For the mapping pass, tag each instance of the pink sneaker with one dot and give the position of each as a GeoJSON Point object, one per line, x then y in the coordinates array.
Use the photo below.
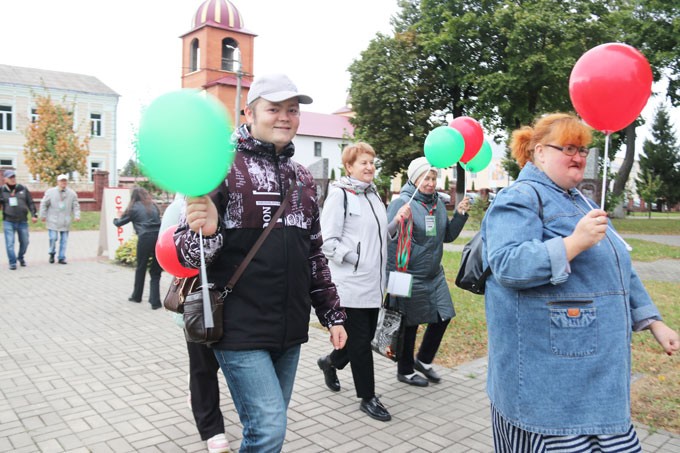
{"type": "Point", "coordinates": [218, 444]}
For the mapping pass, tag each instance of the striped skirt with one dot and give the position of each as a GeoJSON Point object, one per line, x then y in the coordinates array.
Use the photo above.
{"type": "Point", "coordinates": [508, 438]}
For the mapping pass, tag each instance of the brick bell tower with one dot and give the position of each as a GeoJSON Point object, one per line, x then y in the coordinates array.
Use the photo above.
{"type": "Point", "coordinates": [217, 55]}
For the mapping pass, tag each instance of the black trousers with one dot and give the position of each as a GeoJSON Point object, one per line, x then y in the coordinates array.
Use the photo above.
{"type": "Point", "coordinates": [146, 249]}
{"type": "Point", "coordinates": [360, 326]}
{"type": "Point", "coordinates": [205, 390]}
{"type": "Point", "coordinates": [428, 347]}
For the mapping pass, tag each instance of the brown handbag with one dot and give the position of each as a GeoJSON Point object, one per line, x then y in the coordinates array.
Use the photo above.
{"type": "Point", "coordinates": [178, 292]}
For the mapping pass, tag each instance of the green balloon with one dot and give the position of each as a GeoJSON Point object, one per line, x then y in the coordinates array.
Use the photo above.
{"type": "Point", "coordinates": [444, 146]}
{"type": "Point", "coordinates": [184, 142]}
{"type": "Point", "coordinates": [481, 160]}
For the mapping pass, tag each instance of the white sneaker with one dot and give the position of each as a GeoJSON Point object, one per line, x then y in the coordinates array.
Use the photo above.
{"type": "Point", "coordinates": [218, 444]}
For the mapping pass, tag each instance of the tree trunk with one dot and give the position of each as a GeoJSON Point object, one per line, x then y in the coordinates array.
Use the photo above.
{"type": "Point", "coordinates": [624, 172]}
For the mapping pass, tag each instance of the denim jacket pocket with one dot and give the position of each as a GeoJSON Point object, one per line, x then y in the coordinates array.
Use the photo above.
{"type": "Point", "coordinates": [573, 328]}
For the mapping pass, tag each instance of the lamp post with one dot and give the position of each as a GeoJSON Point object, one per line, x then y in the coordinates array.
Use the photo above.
{"type": "Point", "coordinates": [236, 60]}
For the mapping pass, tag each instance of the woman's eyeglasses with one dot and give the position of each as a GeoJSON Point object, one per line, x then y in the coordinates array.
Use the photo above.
{"type": "Point", "coordinates": [571, 150]}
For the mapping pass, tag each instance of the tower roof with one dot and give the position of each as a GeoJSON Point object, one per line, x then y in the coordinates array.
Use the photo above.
{"type": "Point", "coordinates": [218, 13]}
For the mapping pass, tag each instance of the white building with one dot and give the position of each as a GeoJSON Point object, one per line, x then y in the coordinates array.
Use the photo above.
{"type": "Point", "coordinates": [92, 104]}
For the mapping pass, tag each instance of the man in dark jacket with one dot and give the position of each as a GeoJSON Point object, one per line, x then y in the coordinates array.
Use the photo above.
{"type": "Point", "coordinates": [266, 317]}
{"type": "Point", "coordinates": [16, 202]}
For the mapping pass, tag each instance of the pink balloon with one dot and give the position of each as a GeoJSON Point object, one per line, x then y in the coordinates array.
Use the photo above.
{"type": "Point", "coordinates": [166, 254]}
{"type": "Point", "coordinates": [610, 85]}
{"type": "Point", "coordinates": [472, 133]}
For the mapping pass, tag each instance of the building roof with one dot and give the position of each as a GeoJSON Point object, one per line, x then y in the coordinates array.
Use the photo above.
{"type": "Point", "coordinates": [220, 14]}
{"type": "Point", "coordinates": [324, 125]}
{"type": "Point", "coordinates": [32, 77]}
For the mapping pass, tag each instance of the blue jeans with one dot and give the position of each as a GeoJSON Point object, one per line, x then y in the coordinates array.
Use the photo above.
{"type": "Point", "coordinates": [261, 384]}
{"type": "Point", "coordinates": [21, 229]}
{"type": "Point", "coordinates": [63, 241]}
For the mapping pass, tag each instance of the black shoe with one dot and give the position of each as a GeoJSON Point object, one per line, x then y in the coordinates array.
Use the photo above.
{"type": "Point", "coordinates": [156, 307]}
{"type": "Point", "coordinates": [329, 373]}
{"type": "Point", "coordinates": [51, 258]}
{"type": "Point", "coordinates": [374, 408]}
{"type": "Point", "coordinates": [62, 261]}
{"type": "Point", "coordinates": [416, 380]}
{"type": "Point", "coordinates": [430, 374]}
{"type": "Point", "coordinates": [12, 267]}
{"type": "Point", "coordinates": [23, 263]}
{"type": "Point", "coordinates": [132, 299]}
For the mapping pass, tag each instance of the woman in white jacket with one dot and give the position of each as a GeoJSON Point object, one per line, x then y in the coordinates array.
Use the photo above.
{"type": "Point", "coordinates": [355, 231]}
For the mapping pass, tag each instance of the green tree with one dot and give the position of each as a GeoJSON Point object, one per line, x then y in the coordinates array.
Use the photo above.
{"type": "Point", "coordinates": [649, 188]}
{"type": "Point", "coordinates": [52, 147]}
{"type": "Point", "coordinates": [660, 156]}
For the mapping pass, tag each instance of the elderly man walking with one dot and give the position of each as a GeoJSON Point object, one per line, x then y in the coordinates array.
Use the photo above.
{"type": "Point", "coordinates": [58, 208]}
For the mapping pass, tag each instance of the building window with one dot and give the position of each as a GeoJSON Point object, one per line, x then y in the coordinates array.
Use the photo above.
{"type": "Point", "coordinates": [317, 149]}
{"type": "Point", "coordinates": [195, 56]}
{"type": "Point", "coordinates": [94, 166]}
{"type": "Point", "coordinates": [96, 124]}
{"type": "Point", "coordinates": [5, 118]}
{"type": "Point", "coordinates": [34, 116]}
{"type": "Point", "coordinates": [6, 162]}
{"type": "Point", "coordinates": [229, 47]}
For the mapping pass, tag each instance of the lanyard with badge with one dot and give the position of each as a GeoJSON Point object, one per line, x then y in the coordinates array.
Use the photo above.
{"type": "Point", "coordinates": [430, 220]}
{"type": "Point", "coordinates": [12, 196]}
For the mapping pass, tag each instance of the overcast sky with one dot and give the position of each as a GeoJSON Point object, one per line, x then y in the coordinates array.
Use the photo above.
{"type": "Point", "coordinates": [133, 46]}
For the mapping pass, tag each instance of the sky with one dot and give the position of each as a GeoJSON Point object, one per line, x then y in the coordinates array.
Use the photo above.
{"type": "Point", "coordinates": [134, 46]}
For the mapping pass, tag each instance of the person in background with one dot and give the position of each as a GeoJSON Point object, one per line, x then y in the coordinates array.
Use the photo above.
{"type": "Point", "coordinates": [204, 385]}
{"type": "Point", "coordinates": [355, 231]}
{"type": "Point", "coordinates": [430, 300]}
{"type": "Point", "coordinates": [145, 216]}
{"type": "Point", "coordinates": [16, 203]}
{"type": "Point", "coordinates": [58, 208]}
{"type": "Point", "coordinates": [266, 316]}
{"type": "Point", "coordinates": [562, 303]}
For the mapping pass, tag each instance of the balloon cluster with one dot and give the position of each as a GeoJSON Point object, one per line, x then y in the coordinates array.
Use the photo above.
{"type": "Point", "coordinates": [462, 141]}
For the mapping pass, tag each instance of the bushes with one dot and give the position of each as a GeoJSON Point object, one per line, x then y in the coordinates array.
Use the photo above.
{"type": "Point", "coordinates": [127, 252]}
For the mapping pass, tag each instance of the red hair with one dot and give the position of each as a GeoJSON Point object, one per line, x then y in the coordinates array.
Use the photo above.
{"type": "Point", "coordinates": [561, 127]}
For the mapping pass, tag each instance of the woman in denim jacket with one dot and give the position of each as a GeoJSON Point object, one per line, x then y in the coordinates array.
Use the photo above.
{"type": "Point", "coordinates": [561, 305]}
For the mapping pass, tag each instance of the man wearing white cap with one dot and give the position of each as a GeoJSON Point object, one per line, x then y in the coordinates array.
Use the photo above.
{"type": "Point", "coordinates": [266, 316]}
{"type": "Point", "coordinates": [58, 208]}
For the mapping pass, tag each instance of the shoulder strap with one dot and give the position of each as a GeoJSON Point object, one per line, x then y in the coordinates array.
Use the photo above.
{"type": "Point", "coordinates": [242, 267]}
{"type": "Point", "coordinates": [487, 271]}
{"type": "Point", "coordinates": [344, 194]}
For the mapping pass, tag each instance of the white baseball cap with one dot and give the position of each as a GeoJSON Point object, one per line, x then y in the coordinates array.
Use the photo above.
{"type": "Point", "coordinates": [275, 88]}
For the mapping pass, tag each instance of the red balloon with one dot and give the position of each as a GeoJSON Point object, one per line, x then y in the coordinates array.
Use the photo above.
{"type": "Point", "coordinates": [166, 254]}
{"type": "Point", "coordinates": [472, 133]}
{"type": "Point", "coordinates": [610, 85]}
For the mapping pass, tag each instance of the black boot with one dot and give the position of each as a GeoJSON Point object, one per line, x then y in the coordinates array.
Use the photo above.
{"type": "Point", "coordinates": [329, 373]}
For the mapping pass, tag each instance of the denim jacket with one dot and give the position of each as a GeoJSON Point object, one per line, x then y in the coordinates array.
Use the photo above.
{"type": "Point", "coordinates": [559, 331]}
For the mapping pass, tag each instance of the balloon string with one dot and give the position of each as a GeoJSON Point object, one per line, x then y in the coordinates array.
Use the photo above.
{"type": "Point", "coordinates": [604, 170]}
{"type": "Point", "coordinates": [419, 184]}
{"type": "Point", "coordinates": [207, 309]}
{"type": "Point", "coordinates": [627, 245]}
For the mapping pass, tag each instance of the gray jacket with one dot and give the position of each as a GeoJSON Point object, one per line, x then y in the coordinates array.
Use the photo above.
{"type": "Point", "coordinates": [430, 297]}
{"type": "Point", "coordinates": [59, 208]}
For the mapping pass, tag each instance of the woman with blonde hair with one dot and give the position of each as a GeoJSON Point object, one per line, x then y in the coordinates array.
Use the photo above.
{"type": "Point", "coordinates": [561, 304]}
{"type": "Point", "coordinates": [355, 232]}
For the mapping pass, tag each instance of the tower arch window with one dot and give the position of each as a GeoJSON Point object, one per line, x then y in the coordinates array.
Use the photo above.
{"type": "Point", "coordinates": [195, 55]}
{"type": "Point", "coordinates": [229, 54]}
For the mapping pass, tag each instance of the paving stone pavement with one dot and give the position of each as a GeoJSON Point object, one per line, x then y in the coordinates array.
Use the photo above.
{"type": "Point", "coordinates": [84, 370]}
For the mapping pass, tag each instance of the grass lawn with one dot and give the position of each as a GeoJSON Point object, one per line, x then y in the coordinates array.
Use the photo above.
{"type": "Point", "coordinates": [89, 220]}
